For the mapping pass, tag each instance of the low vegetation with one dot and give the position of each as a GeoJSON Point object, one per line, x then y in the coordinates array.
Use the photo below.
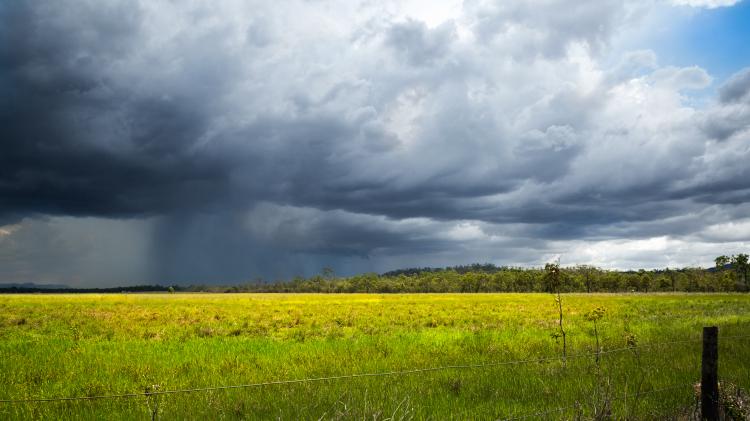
{"type": "Point", "coordinates": [54, 345]}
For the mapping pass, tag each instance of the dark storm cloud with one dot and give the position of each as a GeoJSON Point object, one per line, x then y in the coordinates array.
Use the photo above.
{"type": "Point", "coordinates": [252, 140]}
{"type": "Point", "coordinates": [81, 139]}
{"type": "Point", "coordinates": [76, 142]}
{"type": "Point", "coordinates": [278, 242]}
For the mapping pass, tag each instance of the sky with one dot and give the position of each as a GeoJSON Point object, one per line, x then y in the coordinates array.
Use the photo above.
{"type": "Point", "coordinates": [225, 141]}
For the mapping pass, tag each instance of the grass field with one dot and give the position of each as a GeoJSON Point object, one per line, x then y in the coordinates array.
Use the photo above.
{"type": "Point", "coordinates": [84, 345]}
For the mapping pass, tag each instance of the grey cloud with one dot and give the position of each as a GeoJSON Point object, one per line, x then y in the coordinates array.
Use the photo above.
{"type": "Point", "coordinates": [724, 122]}
{"type": "Point", "coordinates": [548, 33]}
{"type": "Point", "coordinates": [634, 64]}
{"type": "Point", "coordinates": [737, 88]}
{"type": "Point", "coordinates": [549, 153]}
{"type": "Point", "coordinates": [78, 141]}
{"type": "Point", "coordinates": [255, 146]}
{"type": "Point", "coordinates": [338, 232]}
{"type": "Point", "coordinates": [76, 251]}
{"type": "Point", "coordinates": [419, 44]}
{"type": "Point", "coordinates": [682, 78]}
{"type": "Point", "coordinates": [732, 115]}
{"type": "Point", "coordinates": [160, 149]}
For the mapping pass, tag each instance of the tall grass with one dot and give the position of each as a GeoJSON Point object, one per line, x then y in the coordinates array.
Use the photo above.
{"type": "Point", "coordinates": [86, 345]}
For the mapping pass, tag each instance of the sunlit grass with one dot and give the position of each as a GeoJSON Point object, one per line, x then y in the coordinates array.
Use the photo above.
{"type": "Point", "coordinates": [82, 345]}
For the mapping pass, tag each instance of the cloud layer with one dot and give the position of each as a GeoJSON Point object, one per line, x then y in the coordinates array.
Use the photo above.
{"type": "Point", "coordinates": [246, 139]}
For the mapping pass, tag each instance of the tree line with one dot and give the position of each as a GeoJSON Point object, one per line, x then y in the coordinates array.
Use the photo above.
{"type": "Point", "coordinates": [726, 276]}
{"type": "Point", "coordinates": [730, 274]}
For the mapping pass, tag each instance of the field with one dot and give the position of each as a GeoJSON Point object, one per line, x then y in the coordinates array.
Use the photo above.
{"type": "Point", "coordinates": [88, 345]}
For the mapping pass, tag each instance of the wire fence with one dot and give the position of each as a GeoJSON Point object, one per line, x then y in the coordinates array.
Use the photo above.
{"type": "Point", "coordinates": [577, 405]}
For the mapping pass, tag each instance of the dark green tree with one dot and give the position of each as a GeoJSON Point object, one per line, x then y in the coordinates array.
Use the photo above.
{"type": "Point", "coordinates": [721, 262]}
{"type": "Point", "coordinates": [741, 267]}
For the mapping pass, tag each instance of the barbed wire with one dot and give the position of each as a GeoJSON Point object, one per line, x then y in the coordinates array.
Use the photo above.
{"type": "Point", "coordinates": [721, 338]}
{"type": "Point", "coordinates": [305, 380]}
{"type": "Point", "coordinates": [539, 414]}
{"type": "Point", "coordinates": [578, 404]}
{"type": "Point", "coordinates": [680, 410]}
{"type": "Point", "coordinates": [352, 376]}
{"type": "Point", "coordinates": [649, 392]}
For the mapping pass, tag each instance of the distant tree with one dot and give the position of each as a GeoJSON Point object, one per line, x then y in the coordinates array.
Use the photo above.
{"type": "Point", "coordinates": [483, 278]}
{"type": "Point", "coordinates": [328, 273]}
{"type": "Point", "coordinates": [663, 282]}
{"type": "Point", "coordinates": [552, 277]}
{"type": "Point", "coordinates": [644, 280]}
{"type": "Point", "coordinates": [741, 267]}
{"type": "Point", "coordinates": [672, 278]}
{"type": "Point", "coordinates": [588, 273]}
{"type": "Point", "coordinates": [721, 262]}
{"type": "Point", "coordinates": [633, 282]}
{"type": "Point", "coordinates": [726, 281]}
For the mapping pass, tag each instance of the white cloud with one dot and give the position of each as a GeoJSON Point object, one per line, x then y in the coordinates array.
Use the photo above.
{"type": "Point", "coordinates": [8, 230]}
{"type": "Point", "coordinates": [709, 4]}
{"type": "Point", "coordinates": [465, 231]}
{"type": "Point", "coordinates": [648, 253]}
{"type": "Point", "coordinates": [737, 230]}
{"type": "Point", "coordinates": [681, 78]}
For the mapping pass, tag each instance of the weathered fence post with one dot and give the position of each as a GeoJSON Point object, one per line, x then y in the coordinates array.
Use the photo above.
{"type": "Point", "coordinates": [710, 374]}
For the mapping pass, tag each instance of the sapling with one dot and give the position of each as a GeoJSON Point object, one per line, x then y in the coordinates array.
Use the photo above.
{"type": "Point", "coordinates": [554, 283]}
{"type": "Point", "coordinates": [602, 406]}
{"type": "Point", "coordinates": [594, 316]}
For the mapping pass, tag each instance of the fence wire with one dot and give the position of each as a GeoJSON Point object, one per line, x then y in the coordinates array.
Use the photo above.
{"type": "Point", "coordinates": [540, 414]}
{"type": "Point", "coordinates": [354, 376]}
{"type": "Point", "coordinates": [578, 405]}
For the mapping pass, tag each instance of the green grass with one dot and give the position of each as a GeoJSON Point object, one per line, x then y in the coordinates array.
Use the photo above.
{"type": "Point", "coordinates": [83, 345]}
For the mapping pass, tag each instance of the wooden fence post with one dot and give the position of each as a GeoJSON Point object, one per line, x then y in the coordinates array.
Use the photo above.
{"type": "Point", "coordinates": [710, 374]}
